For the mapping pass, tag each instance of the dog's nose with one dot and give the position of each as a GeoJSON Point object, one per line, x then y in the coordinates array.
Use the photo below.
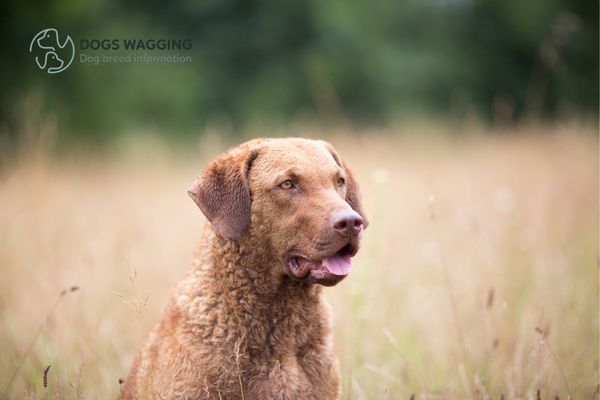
{"type": "Point", "coordinates": [347, 223]}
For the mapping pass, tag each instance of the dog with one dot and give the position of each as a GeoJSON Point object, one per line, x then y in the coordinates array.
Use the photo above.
{"type": "Point", "coordinates": [249, 321]}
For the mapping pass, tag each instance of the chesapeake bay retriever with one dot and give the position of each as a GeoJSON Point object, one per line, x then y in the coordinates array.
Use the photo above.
{"type": "Point", "coordinates": [249, 320]}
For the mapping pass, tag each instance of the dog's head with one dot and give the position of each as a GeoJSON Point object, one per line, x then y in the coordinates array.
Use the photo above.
{"type": "Point", "coordinates": [295, 197]}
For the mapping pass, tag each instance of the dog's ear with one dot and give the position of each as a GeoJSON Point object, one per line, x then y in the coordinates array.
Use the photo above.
{"type": "Point", "coordinates": [222, 193]}
{"type": "Point", "coordinates": [352, 190]}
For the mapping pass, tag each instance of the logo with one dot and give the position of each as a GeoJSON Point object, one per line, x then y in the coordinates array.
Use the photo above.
{"type": "Point", "coordinates": [52, 55]}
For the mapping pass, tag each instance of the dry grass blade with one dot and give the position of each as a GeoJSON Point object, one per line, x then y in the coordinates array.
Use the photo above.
{"type": "Point", "coordinates": [39, 331]}
{"type": "Point", "coordinates": [238, 356]}
{"type": "Point", "coordinates": [596, 394]}
{"type": "Point", "coordinates": [382, 373]}
{"type": "Point", "coordinates": [490, 298]}
{"type": "Point", "coordinates": [545, 333]}
{"type": "Point", "coordinates": [453, 305]}
{"type": "Point", "coordinates": [45, 378]}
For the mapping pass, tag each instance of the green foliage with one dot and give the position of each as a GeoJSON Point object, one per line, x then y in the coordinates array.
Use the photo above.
{"type": "Point", "coordinates": [274, 62]}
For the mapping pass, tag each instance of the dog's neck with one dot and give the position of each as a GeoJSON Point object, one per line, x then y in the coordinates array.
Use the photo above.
{"type": "Point", "coordinates": [241, 285]}
{"type": "Point", "coordinates": [245, 270]}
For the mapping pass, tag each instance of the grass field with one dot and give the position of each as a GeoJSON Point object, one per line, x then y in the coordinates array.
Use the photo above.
{"type": "Point", "coordinates": [477, 278]}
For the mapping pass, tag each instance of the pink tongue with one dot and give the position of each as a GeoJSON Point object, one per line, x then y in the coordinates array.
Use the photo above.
{"type": "Point", "coordinates": [338, 264]}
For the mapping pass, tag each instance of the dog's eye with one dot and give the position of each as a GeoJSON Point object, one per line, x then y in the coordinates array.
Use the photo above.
{"type": "Point", "coordinates": [287, 184]}
{"type": "Point", "coordinates": [341, 181]}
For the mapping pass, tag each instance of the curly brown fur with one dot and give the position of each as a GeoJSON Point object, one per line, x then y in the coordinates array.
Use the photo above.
{"type": "Point", "coordinates": [241, 324]}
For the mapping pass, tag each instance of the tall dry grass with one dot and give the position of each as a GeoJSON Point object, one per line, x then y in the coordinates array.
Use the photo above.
{"type": "Point", "coordinates": [478, 276]}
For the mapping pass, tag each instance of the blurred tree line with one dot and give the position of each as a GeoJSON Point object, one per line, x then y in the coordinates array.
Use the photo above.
{"type": "Point", "coordinates": [275, 62]}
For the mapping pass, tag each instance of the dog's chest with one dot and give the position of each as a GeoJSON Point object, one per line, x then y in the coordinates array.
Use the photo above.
{"type": "Point", "coordinates": [282, 366]}
{"type": "Point", "coordinates": [290, 377]}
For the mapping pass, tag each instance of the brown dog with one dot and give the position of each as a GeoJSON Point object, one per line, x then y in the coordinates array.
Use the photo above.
{"type": "Point", "coordinates": [249, 320]}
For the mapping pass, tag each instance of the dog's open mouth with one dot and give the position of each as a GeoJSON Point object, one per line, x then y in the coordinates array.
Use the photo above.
{"type": "Point", "coordinates": [328, 271]}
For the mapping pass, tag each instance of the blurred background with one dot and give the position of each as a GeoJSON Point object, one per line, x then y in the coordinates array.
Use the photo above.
{"type": "Point", "coordinates": [471, 125]}
{"type": "Point", "coordinates": [260, 64]}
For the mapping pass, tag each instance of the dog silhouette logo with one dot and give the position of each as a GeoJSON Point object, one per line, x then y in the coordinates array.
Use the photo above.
{"type": "Point", "coordinates": [52, 55]}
